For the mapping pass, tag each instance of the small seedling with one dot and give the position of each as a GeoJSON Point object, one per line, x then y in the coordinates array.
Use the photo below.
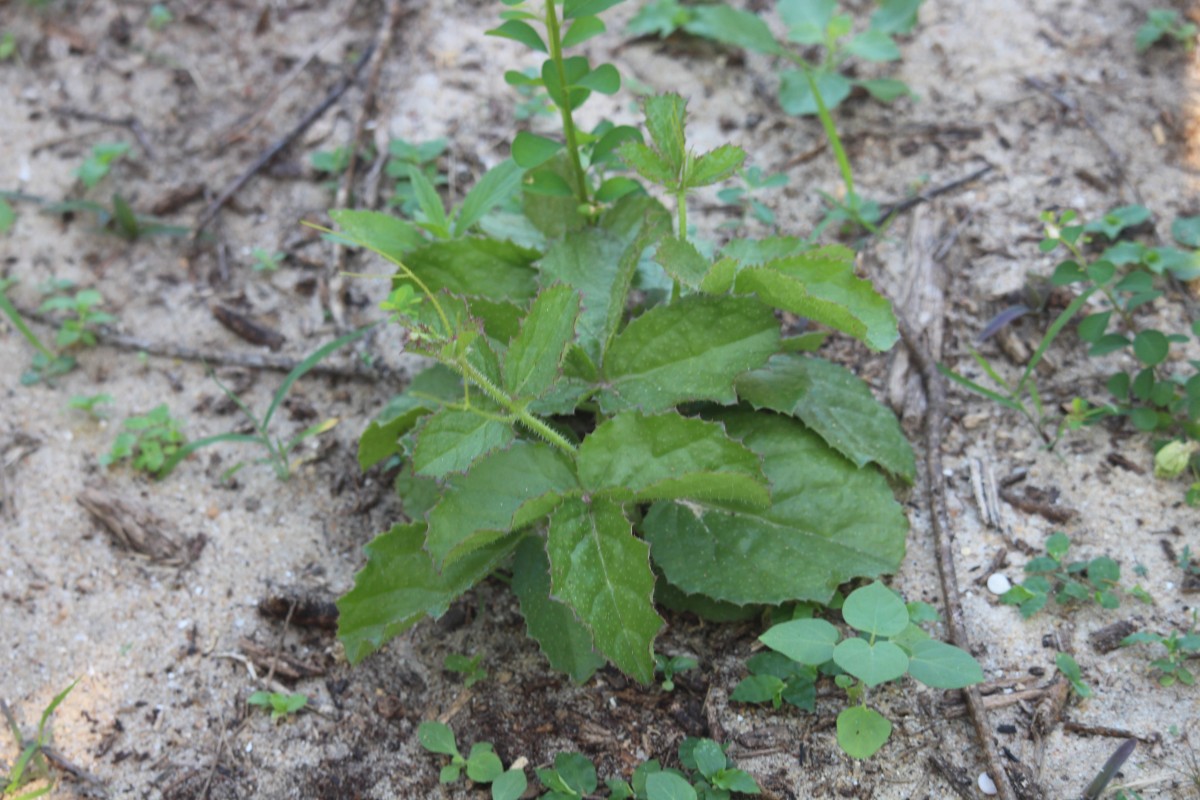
{"type": "Point", "coordinates": [670, 666]}
{"type": "Point", "coordinates": [159, 17]}
{"type": "Point", "coordinates": [281, 705]}
{"type": "Point", "coordinates": [266, 260]}
{"type": "Point", "coordinates": [1188, 563]}
{"type": "Point", "coordinates": [78, 327]}
{"type": "Point", "coordinates": [332, 162]}
{"type": "Point", "coordinates": [754, 182]}
{"type": "Point", "coordinates": [481, 766]}
{"type": "Point", "coordinates": [8, 49]}
{"type": "Point", "coordinates": [46, 363]}
{"type": "Point", "coordinates": [90, 404]}
{"type": "Point", "coordinates": [468, 667]}
{"type": "Point", "coordinates": [1165, 24]}
{"type": "Point", "coordinates": [31, 763]}
{"type": "Point", "coordinates": [1068, 583]}
{"type": "Point", "coordinates": [100, 161]}
{"type": "Point", "coordinates": [893, 647]}
{"type": "Point", "coordinates": [1180, 645]}
{"type": "Point", "coordinates": [8, 217]}
{"type": "Point", "coordinates": [404, 157]}
{"type": "Point", "coordinates": [278, 449]}
{"type": "Point", "coordinates": [1070, 670]}
{"type": "Point", "coordinates": [151, 440]}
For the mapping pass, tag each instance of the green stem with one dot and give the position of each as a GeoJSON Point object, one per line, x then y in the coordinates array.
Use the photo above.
{"type": "Point", "coordinates": [528, 420]}
{"type": "Point", "coordinates": [835, 141]}
{"type": "Point", "coordinates": [564, 107]}
{"type": "Point", "coordinates": [681, 205]}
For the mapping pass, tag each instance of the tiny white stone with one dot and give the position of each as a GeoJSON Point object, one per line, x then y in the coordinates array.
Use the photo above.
{"type": "Point", "coordinates": [986, 785]}
{"type": "Point", "coordinates": [998, 583]}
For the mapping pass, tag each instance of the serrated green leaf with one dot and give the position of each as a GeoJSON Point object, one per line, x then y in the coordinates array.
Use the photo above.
{"type": "Point", "coordinates": [808, 641]}
{"type": "Point", "coordinates": [837, 405]}
{"type": "Point", "coordinates": [486, 503]}
{"type": "Point", "coordinates": [603, 571]}
{"type": "Point", "coordinates": [828, 522]}
{"type": "Point", "coordinates": [521, 32]}
{"type": "Point", "coordinates": [665, 116]}
{"type": "Point", "coordinates": [535, 354]}
{"type": "Point", "coordinates": [873, 45]}
{"type": "Point", "coordinates": [566, 642]}
{"type": "Point", "coordinates": [642, 458]}
{"type": "Point", "coordinates": [452, 439]}
{"type": "Point", "coordinates": [861, 731]}
{"type": "Point", "coordinates": [748, 252]}
{"type": "Point", "coordinates": [692, 349]}
{"type": "Point", "coordinates": [426, 393]}
{"type": "Point", "coordinates": [875, 609]}
{"type": "Point", "coordinates": [715, 166]}
{"type": "Point", "coordinates": [387, 235]}
{"type": "Point", "coordinates": [647, 163]}
{"type": "Point", "coordinates": [732, 26]}
{"type": "Point", "coordinates": [530, 150]}
{"type": "Point", "coordinates": [400, 585]}
{"type": "Point", "coordinates": [476, 267]}
{"type": "Point", "coordinates": [943, 666]}
{"type": "Point", "coordinates": [807, 20]}
{"type": "Point", "coordinates": [496, 186]}
{"type": "Point", "coordinates": [796, 97]}
{"type": "Point", "coordinates": [822, 286]}
{"type": "Point", "coordinates": [682, 261]}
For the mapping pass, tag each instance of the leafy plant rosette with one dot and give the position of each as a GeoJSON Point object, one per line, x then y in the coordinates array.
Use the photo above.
{"type": "Point", "coordinates": [611, 454]}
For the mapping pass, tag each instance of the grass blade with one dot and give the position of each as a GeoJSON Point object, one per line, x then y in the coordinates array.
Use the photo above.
{"type": "Point", "coordinates": [19, 323]}
{"type": "Point", "coordinates": [975, 387]}
{"type": "Point", "coordinates": [1052, 332]}
{"type": "Point", "coordinates": [304, 366]}
{"type": "Point", "coordinates": [193, 446]}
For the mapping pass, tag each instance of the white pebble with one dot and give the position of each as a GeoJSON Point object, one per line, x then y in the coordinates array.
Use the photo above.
{"type": "Point", "coordinates": [986, 785]}
{"type": "Point", "coordinates": [998, 583]}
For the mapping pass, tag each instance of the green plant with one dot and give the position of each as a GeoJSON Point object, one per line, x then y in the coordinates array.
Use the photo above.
{"type": "Point", "coordinates": [753, 183]}
{"type": "Point", "coordinates": [78, 328]}
{"type": "Point", "coordinates": [403, 158]}
{"type": "Point", "coordinates": [90, 404]}
{"type": "Point", "coordinates": [468, 667]}
{"type": "Point", "coordinates": [333, 162]}
{"type": "Point", "coordinates": [159, 17]}
{"type": "Point", "coordinates": [278, 448]}
{"type": "Point", "coordinates": [481, 766]}
{"type": "Point", "coordinates": [1180, 645]}
{"type": "Point", "coordinates": [894, 646]}
{"type": "Point", "coordinates": [1166, 24]}
{"type": "Point", "coordinates": [31, 763]}
{"type": "Point", "coordinates": [99, 162]}
{"type": "Point", "coordinates": [810, 23]}
{"type": "Point", "coordinates": [8, 49]}
{"type": "Point", "coordinates": [1187, 562]}
{"type": "Point", "coordinates": [266, 260]}
{"type": "Point", "coordinates": [569, 424]}
{"type": "Point", "coordinates": [281, 705]}
{"type": "Point", "coordinates": [46, 363]}
{"type": "Point", "coordinates": [670, 666]}
{"type": "Point", "coordinates": [1070, 670]}
{"type": "Point", "coordinates": [1068, 583]}
{"type": "Point", "coordinates": [151, 440]}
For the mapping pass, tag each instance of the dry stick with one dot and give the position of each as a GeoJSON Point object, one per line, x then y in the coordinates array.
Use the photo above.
{"type": "Point", "coordinates": [265, 157]}
{"type": "Point", "coordinates": [900, 206]}
{"type": "Point", "coordinates": [384, 43]}
{"type": "Point", "coordinates": [131, 122]}
{"type": "Point", "coordinates": [936, 491]}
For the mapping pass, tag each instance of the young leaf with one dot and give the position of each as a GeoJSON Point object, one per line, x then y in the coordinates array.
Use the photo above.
{"type": "Point", "coordinates": [399, 585]}
{"type": "Point", "coordinates": [510, 786]}
{"type": "Point", "coordinates": [603, 79]}
{"type": "Point", "coordinates": [483, 765]}
{"type": "Point", "coordinates": [943, 666]}
{"type": "Point", "coordinates": [603, 571]}
{"type": "Point", "coordinates": [647, 163]}
{"type": "Point", "coordinates": [564, 640]}
{"type": "Point", "coordinates": [885, 90]}
{"type": "Point", "coordinates": [487, 502]}
{"type": "Point", "coordinates": [808, 641]}
{"type": "Point", "coordinates": [715, 166]}
{"type": "Point", "coordinates": [574, 9]}
{"type": "Point", "coordinates": [641, 458]}
{"type": "Point", "coordinates": [829, 522]}
{"type": "Point", "coordinates": [837, 405]}
{"type": "Point", "coordinates": [436, 737]}
{"type": "Point", "coordinates": [735, 27]}
{"type": "Point", "coordinates": [875, 609]}
{"type": "Point", "coordinates": [581, 30]}
{"type": "Point", "coordinates": [861, 731]}
{"type": "Point", "coordinates": [476, 267]}
{"type": "Point", "coordinates": [872, 664]}
{"type": "Point", "coordinates": [537, 351]}
{"type": "Point", "coordinates": [497, 185]}
{"type": "Point", "coordinates": [807, 20]}
{"type": "Point", "coordinates": [530, 150]}
{"type": "Point", "coordinates": [521, 32]}
{"type": "Point", "coordinates": [896, 16]}
{"type": "Point", "coordinates": [668, 786]}
{"type": "Point", "coordinates": [873, 45]}
{"type": "Point", "coordinates": [796, 97]}
{"type": "Point", "coordinates": [692, 349]}
{"type": "Point", "coordinates": [382, 233]}
{"type": "Point", "coordinates": [758, 689]}
{"type": "Point", "coordinates": [821, 285]}
{"type": "Point", "coordinates": [665, 115]}
{"type": "Point", "coordinates": [682, 261]}
{"type": "Point", "coordinates": [709, 757]}
{"type": "Point", "coordinates": [429, 201]}
{"type": "Point", "coordinates": [452, 439]}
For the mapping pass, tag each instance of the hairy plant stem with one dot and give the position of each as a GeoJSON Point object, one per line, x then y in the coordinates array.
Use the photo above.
{"type": "Point", "coordinates": [564, 108]}
{"type": "Point", "coordinates": [528, 420]}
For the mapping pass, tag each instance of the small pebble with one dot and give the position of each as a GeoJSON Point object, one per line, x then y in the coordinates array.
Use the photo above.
{"type": "Point", "coordinates": [986, 785]}
{"type": "Point", "coordinates": [998, 583]}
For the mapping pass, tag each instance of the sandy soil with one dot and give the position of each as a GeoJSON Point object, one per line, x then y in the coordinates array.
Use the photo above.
{"type": "Point", "coordinates": [164, 654]}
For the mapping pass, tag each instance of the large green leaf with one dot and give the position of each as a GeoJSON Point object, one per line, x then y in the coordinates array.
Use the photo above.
{"type": "Point", "coordinates": [399, 585]}
{"type": "Point", "coordinates": [734, 27]}
{"type": "Point", "coordinates": [692, 349]}
{"type": "Point", "coordinates": [491, 499]}
{"type": "Point", "coordinates": [603, 571]}
{"type": "Point", "coordinates": [638, 457]}
{"type": "Point", "coordinates": [453, 438]}
{"type": "Point", "coordinates": [809, 641]}
{"type": "Point", "coordinates": [822, 286]}
{"type": "Point", "coordinates": [835, 403]}
{"type": "Point", "coordinates": [387, 235]}
{"type": "Point", "coordinates": [566, 643]}
{"type": "Point", "coordinates": [537, 351]}
{"type": "Point", "coordinates": [943, 666]}
{"type": "Point", "coordinates": [476, 267]}
{"type": "Point", "coordinates": [426, 393]}
{"type": "Point", "coordinates": [828, 522]}
{"type": "Point", "coordinates": [795, 92]}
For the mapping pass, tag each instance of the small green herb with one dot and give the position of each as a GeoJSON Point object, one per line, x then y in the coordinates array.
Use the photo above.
{"type": "Point", "coordinates": [333, 161]}
{"type": "Point", "coordinates": [481, 766]}
{"type": "Point", "coordinates": [404, 157]}
{"type": "Point", "coordinates": [1180, 645]}
{"type": "Point", "coordinates": [266, 260]}
{"type": "Point", "coordinates": [670, 666]}
{"type": "Point", "coordinates": [1070, 670]}
{"type": "Point", "coordinates": [754, 182]}
{"type": "Point", "coordinates": [8, 46]}
{"type": "Point", "coordinates": [150, 440]}
{"type": "Point", "coordinates": [90, 404]}
{"type": "Point", "coordinates": [31, 763]}
{"type": "Point", "coordinates": [159, 17]}
{"type": "Point", "coordinates": [468, 667]}
{"type": "Point", "coordinates": [1166, 24]}
{"type": "Point", "coordinates": [98, 164]}
{"type": "Point", "coordinates": [281, 705]}
{"type": "Point", "coordinates": [78, 327]}
{"type": "Point", "coordinates": [1068, 583]}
